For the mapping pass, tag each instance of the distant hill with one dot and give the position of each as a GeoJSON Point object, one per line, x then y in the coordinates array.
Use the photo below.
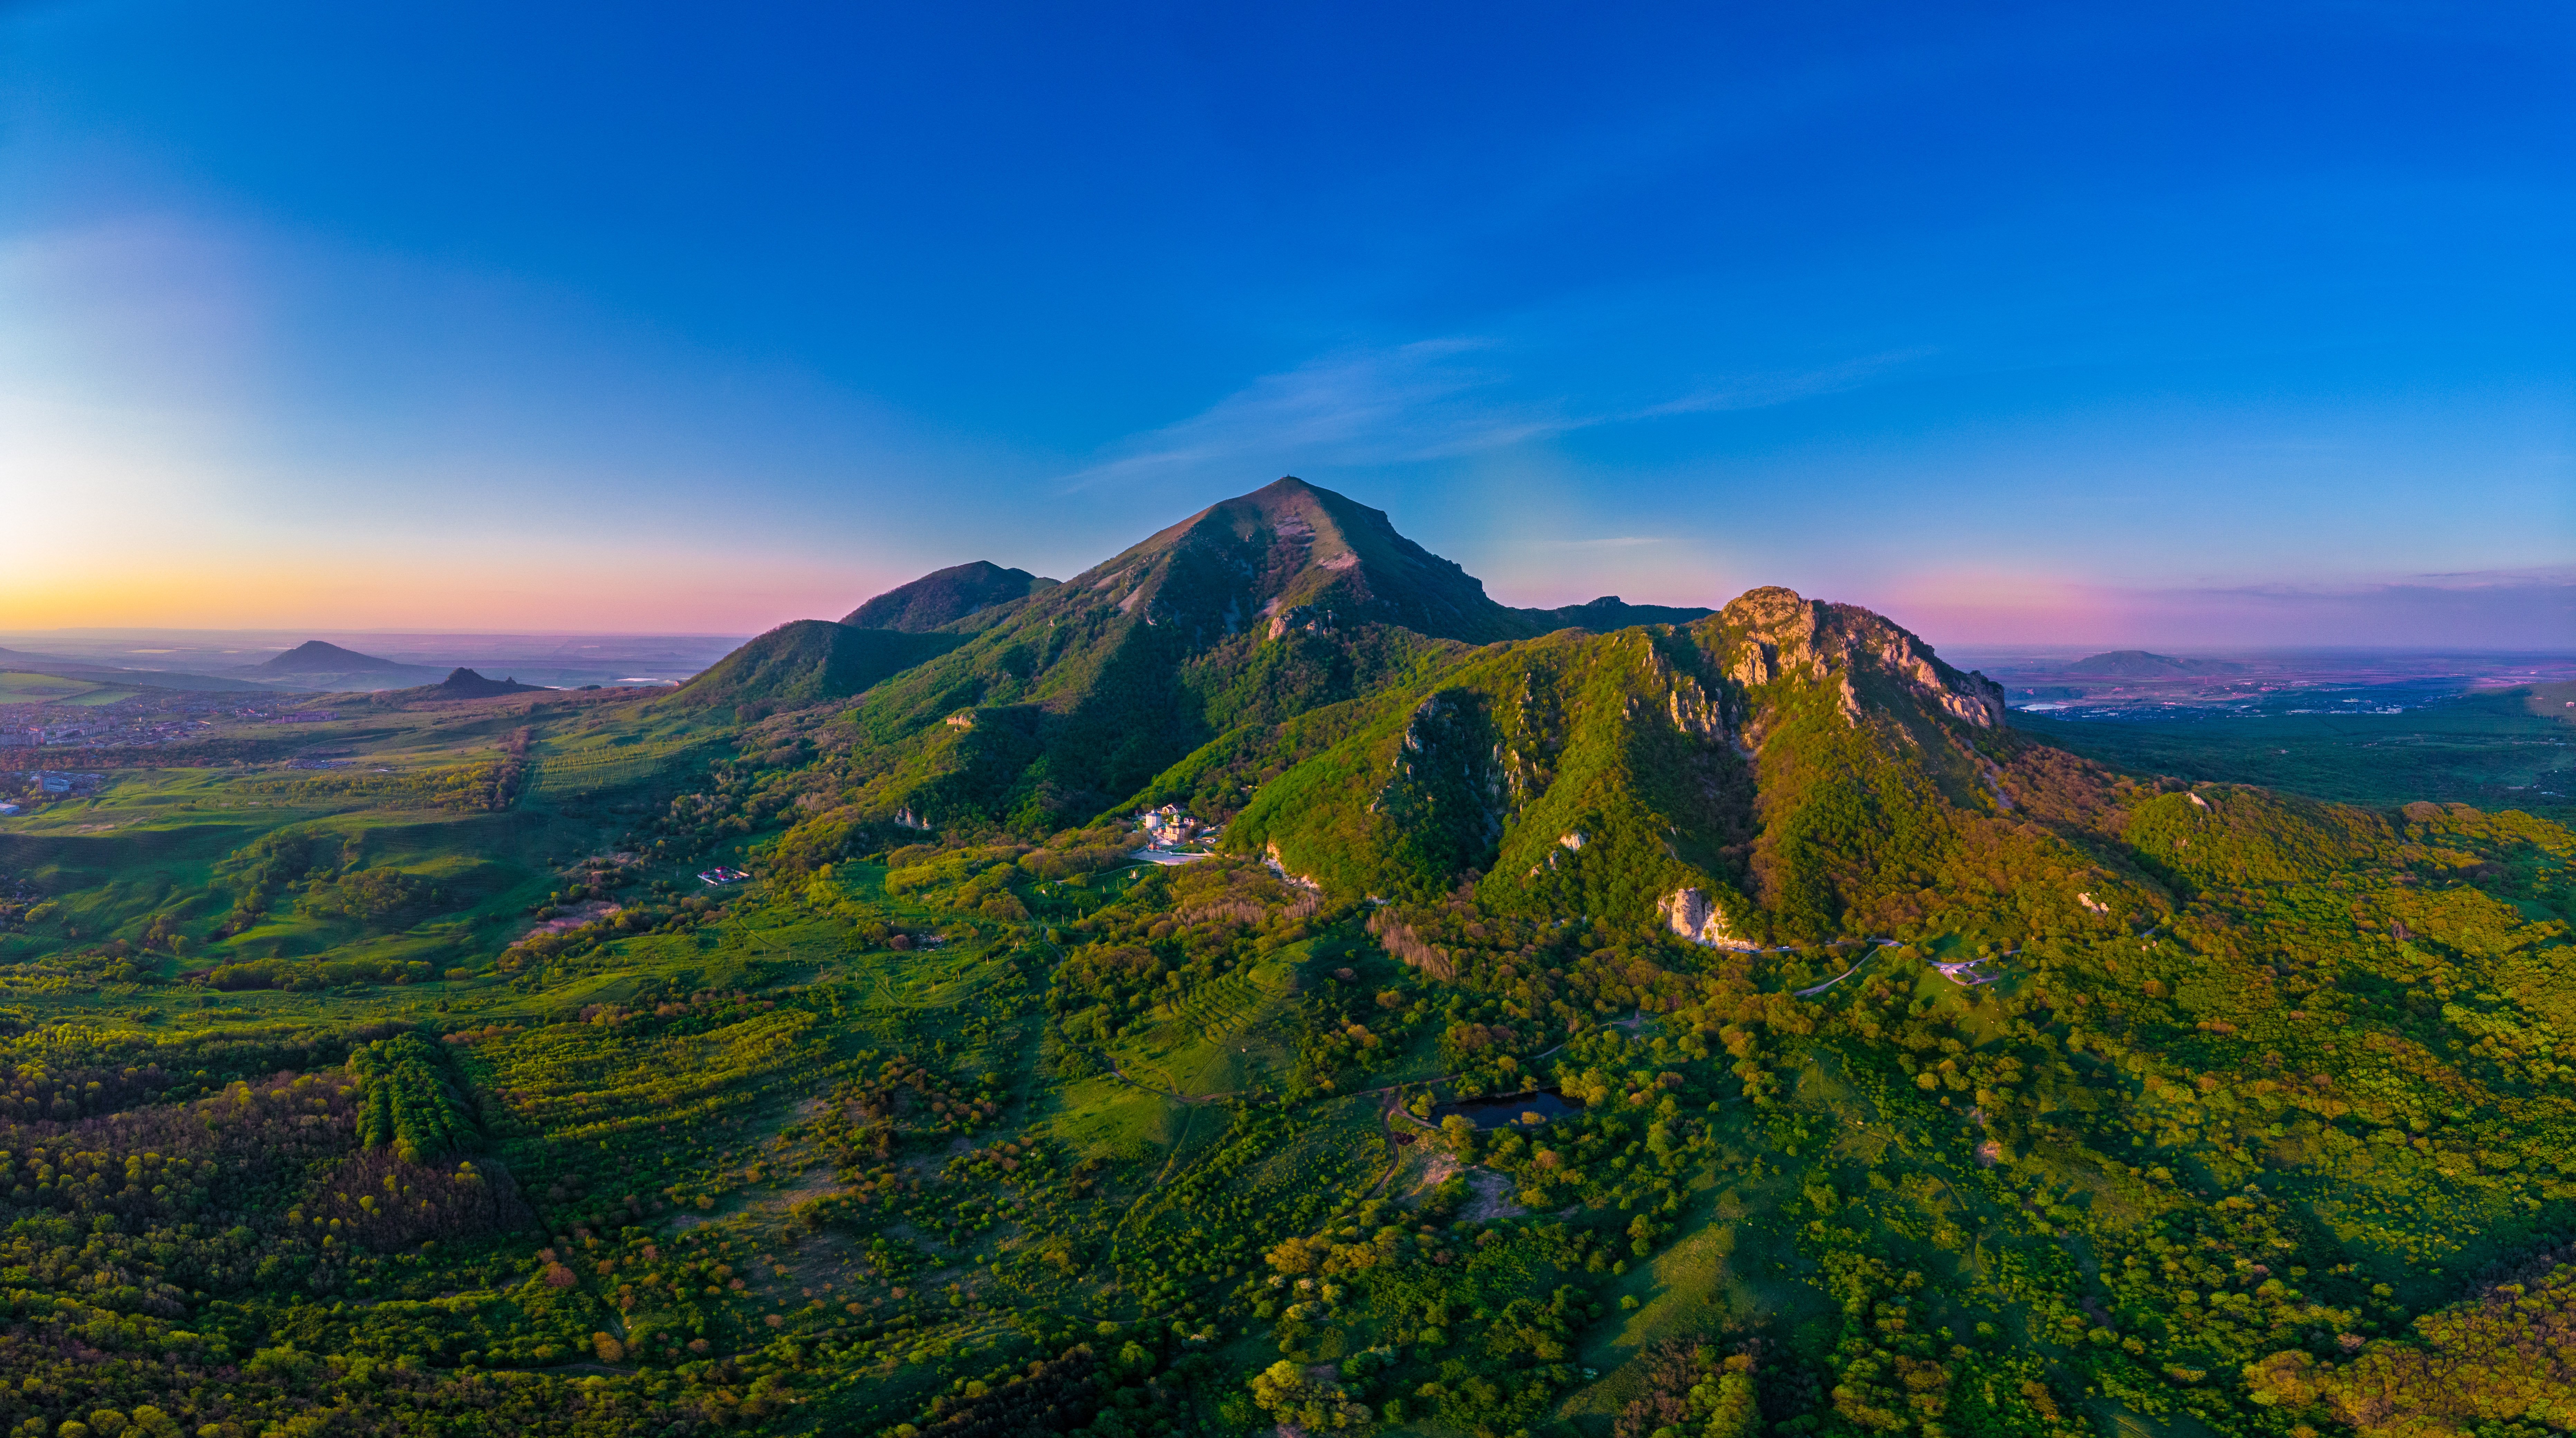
{"type": "Point", "coordinates": [2139, 664]}
{"type": "Point", "coordinates": [316, 657]}
{"type": "Point", "coordinates": [808, 660]}
{"type": "Point", "coordinates": [468, 684]}
{"type": "Point", "coordinates": [1609, 612]}
{"type": "Point", "coordinates": [943, 597]}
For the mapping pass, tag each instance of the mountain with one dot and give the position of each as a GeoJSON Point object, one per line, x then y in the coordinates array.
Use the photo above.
{"type": "Point", "coordinates": [1683, 772]}
{"type": "Point", "coordinates": [1609, 612]}
{"type": "Point", "coordinates": [313, 656]}
{"type": "Point", "coordinates": [467, 684]}
{"type": "Point", "coordinates": [943, 597]}
{"type": "Point", "coordinates": [315, 664]}
{"type": "Point", "coordinates": [1251, 611]}
{"type": "Point", "coordinates": [1071, 698]}
{"type": "Point", "coordinates": [1404, 732]}
{"type": "Point", "coordinates": [807, 660]}
{"type": "Point", "coordinates": [1292, 555]}
{"type": "Point", "coordinates": [2139, 664]}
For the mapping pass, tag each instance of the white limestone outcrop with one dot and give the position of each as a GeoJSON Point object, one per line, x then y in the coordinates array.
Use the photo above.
{"type": "Point", "coordinates": [1698, 918]}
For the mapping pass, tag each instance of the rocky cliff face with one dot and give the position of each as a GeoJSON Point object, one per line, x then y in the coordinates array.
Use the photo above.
{"type": "Point", "coordinates": [1693, 762]}
{"type": "Point", "coordinates": [1700, 919]}
{"type": "Point", "coordinates": [1781, 635]}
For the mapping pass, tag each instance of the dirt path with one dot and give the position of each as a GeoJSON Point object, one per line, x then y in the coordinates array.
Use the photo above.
{"type": "Point", "coordinates": [1836, 979]}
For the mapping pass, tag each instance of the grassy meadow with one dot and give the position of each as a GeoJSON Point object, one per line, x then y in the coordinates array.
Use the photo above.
{"type": "Point", "coordinates": [22, 688]}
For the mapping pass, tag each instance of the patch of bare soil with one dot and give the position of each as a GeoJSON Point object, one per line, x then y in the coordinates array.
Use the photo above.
{"type": "Point", "coordinates": [1442, 1167]}
{"type": "Point", "coordinates": [1493, 1197]}
{"type": "Point", "coordinates": [568, 919]}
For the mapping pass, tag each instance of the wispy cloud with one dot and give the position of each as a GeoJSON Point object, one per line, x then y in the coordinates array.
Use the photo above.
{"type": "Point", "coordinates": [1762, 391]}
{"type": "Point", "coordinates": [1432, 399]}
{"type": "Point", "coordinates": [1373, 406]}
{"type": "Point", "coordinates": [1622, 541]}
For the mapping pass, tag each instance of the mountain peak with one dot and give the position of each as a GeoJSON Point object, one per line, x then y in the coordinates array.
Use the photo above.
{"type": "Point", "coordinates": [944, 596]}
{"type": "Point", "coordinates": [316, 657]}
{"type": "Point", "coordinates": [462, 683]}
{"type": "Point", "coordinates": [1293, 552]}
{"type": "Point", "coordinates": [1787, 635]}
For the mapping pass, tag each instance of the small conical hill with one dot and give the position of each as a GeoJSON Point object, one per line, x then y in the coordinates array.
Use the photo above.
{"type": "Point", "coordinates": [314, 656]}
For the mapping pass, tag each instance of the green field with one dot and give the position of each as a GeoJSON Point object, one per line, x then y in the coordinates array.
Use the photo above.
{"type": "Point", "coordinates": [22, 688]}
{"type": "Point", "coordinates": [2493, 749]}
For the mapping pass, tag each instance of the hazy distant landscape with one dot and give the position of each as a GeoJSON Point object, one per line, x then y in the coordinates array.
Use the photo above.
{"type": "Point", "coordinates": [248, 656]}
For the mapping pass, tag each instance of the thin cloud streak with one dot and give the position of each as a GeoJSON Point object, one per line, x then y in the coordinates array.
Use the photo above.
{"type": "Point", "coordinates": [1427, 400]}
{"type": "Point", "coordinates": [1766, 391]}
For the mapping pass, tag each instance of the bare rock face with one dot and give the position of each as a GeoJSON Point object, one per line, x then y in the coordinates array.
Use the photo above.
{"type": "Point", "coordinates": [1696, 917]}
{"type": "Point", "coordinates": [1279, 867]}
{"type": "Point", "coordinates": [1970, 697]}
{"type": "Point", "coordinates": [1785, 636]}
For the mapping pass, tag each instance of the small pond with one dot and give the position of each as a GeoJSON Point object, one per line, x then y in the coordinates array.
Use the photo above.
{"type": "Point", "coordinates": [1507, 1110]}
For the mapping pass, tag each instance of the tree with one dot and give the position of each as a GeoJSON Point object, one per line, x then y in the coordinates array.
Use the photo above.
{"type": "Point", "coordinates": [1284, 1390]}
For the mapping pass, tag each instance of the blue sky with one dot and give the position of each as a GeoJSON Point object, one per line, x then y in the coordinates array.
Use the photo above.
{"type": "Point", "coordinates": [2022, 323]}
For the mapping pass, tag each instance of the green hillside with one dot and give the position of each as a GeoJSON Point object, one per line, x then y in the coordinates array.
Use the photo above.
{"type": "Point", "coordinates": [806, 661]}
{"type": "Point", "coordinates": [945, 597]}
{"type": "Point", "coordinates": [1722, 1026]}
{"type": "Point", "coordinates": [18, 688]}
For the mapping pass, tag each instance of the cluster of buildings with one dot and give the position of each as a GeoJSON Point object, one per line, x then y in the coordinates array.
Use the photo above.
{"type": "Point", "coordinates": [1171, 826]}
{"type": "Point", "coordinates": [56, 784]}
{"type": "Point", "coordinates": [123, 726]}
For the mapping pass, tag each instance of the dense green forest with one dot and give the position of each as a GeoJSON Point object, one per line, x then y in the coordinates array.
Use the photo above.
{"type": "Point", "coordinates": [1723, 1028]}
